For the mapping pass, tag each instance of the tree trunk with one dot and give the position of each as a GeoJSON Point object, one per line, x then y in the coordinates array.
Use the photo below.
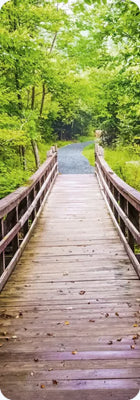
{"type": "Point", "coordinates": [53, 42]}
{"type": "Point", "coordinates": [33, 98]}
{"type": "Point", "coordinates": [36, 153]}
{"type": "Point", "coordinates": [33, 142]}
{"type": "Point", "coordinates": [43, 98]}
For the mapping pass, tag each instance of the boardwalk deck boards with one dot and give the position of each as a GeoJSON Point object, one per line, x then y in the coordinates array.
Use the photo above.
{"type": "Point", "coordinates": [69, 316]}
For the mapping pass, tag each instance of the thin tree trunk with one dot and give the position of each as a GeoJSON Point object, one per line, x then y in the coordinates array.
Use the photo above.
{"type": "Point", "coordinates": [24, 157]}
{"type": "Point", "coordinates": [43, 98]}
{"type": "Point", "coordinates": [33, 142]}
{"type": "Point", "coordinates": [55, 36]}
{"type": "Point", "coordinates": [21, 148]}
{"type": "Point", "coordinates": [36, 153]}
{"type": "Point", "coordinates": [33, 98]}
{"type": "Point", "coordinates": [53, 42]}
{"type": "Point", "coordinates": [43, 88]}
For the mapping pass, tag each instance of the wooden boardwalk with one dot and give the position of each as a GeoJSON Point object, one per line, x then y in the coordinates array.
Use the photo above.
{"type": "Point", "coordinates": [69, 316]}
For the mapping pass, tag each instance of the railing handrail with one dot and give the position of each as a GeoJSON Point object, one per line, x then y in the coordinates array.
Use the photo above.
{"type": "Point", "coordinates": [13, 199]}
{"type": "Point", "coordinates": [128, 191]}
{"type": "Point", "coordinates": [123, 202]}
{"type": "Point", "coordinates": [19, 212]}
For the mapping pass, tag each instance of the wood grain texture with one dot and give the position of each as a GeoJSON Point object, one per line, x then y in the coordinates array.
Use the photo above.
{"type": "Point", "coordinates": [69, 314]}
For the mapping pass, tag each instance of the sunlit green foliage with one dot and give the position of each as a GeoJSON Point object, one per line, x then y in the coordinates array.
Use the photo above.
{"type": "Point", "coordinates": [66, 69]}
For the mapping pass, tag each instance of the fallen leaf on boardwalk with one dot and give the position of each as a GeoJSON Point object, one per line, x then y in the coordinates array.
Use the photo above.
{"type": "Point", "coordinates": [135, 337]}
{"type": "Point", "coordinates": [74, 352]}
{"type": "Point", "coordinates": [49, 334]}
{"type": "Point", "coordinates": [110, 342]}
{"type": "Point", "coordinates": [119, 339]}
{"type": "Point", "coordinates": [36, 359]}
{"type": "Point", "coordinates": [117, 314]}
{"type": "Point", "coordinates": [54, 382]}
{"type": "Point", "coordinates": [135, 325]}
{"type": "Point", "coordinates": [107, 315]}
{"type": "Point", "coordinates": [20, 314]}
{"type": "Point", "coordinates": [67, 323]}
{"type": "Point", "coordinates": [132, 346]}
{"type": "Point", "coordinates": [58, 323]}
{"type": "Point", "coordinates": [82, 292]}
{"type": "Point", "coordinates": [50, 369]}
{"type": "Point", "coordinates": [91, 320]}
{"type": "Point", "coordinates": [61, 291]}
{"type": "Point", "coordinates": [42, 386]}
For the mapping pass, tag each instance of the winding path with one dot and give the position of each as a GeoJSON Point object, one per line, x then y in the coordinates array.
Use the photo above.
{"type": "Point", "coordinates": [72, 161]}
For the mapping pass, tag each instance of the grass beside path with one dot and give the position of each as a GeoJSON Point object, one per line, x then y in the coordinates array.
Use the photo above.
{"type": "Point", "coordinates": [125, 162]}
{"type": "Point", "coordinates": [88, 152]}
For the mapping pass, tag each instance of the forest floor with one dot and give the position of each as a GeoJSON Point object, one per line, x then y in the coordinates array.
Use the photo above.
{"type": "Point", "coordinates": [72, 161]}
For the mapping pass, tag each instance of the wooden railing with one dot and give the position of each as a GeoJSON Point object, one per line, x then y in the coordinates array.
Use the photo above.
{"type": "Point", "coordinates": [19, 212]}
{"type": "Point", "coordinates": [123, 202]}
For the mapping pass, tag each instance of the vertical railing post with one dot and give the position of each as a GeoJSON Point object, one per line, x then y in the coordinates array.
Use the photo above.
{"type": "Point", "coordinates": [123, 206]}
{"type": "Point", "coordinates": [116, 196]}
{"type": "Point", "coordinates": [130, 236]}
{"type": "Point", "coordinates": [26, 225]}
{"type": "Point", "coordinates": [15, 242]}
{"type": "Point", "coordinates": [2, 256]}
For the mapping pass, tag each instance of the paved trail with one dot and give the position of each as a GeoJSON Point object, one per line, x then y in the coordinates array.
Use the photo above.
{"type": "Point", "coordinates": [72, 161]}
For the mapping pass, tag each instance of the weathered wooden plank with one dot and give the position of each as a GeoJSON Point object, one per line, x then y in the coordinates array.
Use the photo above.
{"type": "Point", "coordinates": [94, 394]}
{"type": "Point", "coordinates": [88, 374]}
{"type": "Point", "coordinates": [79, 385]}
{"type": "Point", "coordinates": [62, 355]}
